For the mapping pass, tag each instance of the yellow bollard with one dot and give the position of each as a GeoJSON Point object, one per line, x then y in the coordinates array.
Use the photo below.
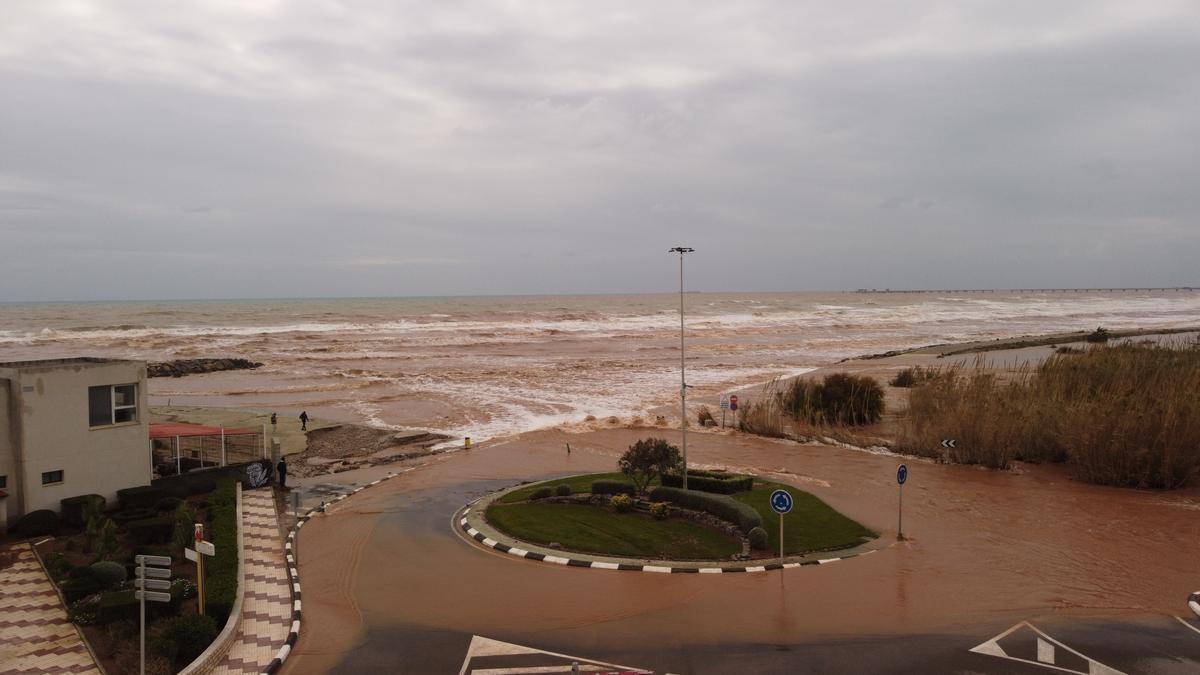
{"type": "Point", "coordinates": [467, 442]}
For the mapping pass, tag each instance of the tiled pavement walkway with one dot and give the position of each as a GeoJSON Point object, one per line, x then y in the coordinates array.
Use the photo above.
{"type": "Point", "coordinates": [267, 603]}
{"type": "Point", "coordinates": [35, 636]}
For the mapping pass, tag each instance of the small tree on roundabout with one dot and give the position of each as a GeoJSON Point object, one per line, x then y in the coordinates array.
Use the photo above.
{"type": "Point", "coordinates": [648, 459]}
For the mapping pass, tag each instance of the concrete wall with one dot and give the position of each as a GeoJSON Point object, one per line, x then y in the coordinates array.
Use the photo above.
{"type": "Point", "coordinates": [8, 464]}
{"type": "Point", "coordinates": [54, 434]}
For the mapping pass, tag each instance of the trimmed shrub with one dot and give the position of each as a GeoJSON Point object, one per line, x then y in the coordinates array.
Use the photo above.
{"type": "Point", "coordinates": [183, 638]}
{"type": "Point", "coordinates": [38, 523]}
{"type": "Point", "coordinates": [563, 490]}
{"type": "Point", "coordinates": [119, 605]}
{"type": "Point", "coordinates": [108, 573]}
{"type": "Point", "coordinates": [660, 510]}
{"type": "Point", "coordinates": [541, 493]}
{"type": "Point", "coordinates": [1098, 336]}
{"type": "Point", "coordinates": [58, 565]}
{"type": "Point", "coordinates": [152, 530]}
{"type": "Point", "coordinates": [721, 506]}
{"type": "Point", "coordinates": [711, 481]}
{"type": "Point", "coordinates": [185, 525]}
{"type": "Point", "coordinates": [77, 588]}
{"type": "Point", "coordinates": [221, 570]}
{"type": "Point", "coordinates": [73, 509]}
{"type": "Point", "coordinates": [612, 487]}
{"type": "Point", "coordinates": [141, 497]}
{"type": "Point", "coordinates": [621, 503]}
{"type": "Point", "coordinates": [128, 515]}
{"type": "Point", "coordinates": [758, 538]}
{"type": "Point", "coordinates": [167, 504]}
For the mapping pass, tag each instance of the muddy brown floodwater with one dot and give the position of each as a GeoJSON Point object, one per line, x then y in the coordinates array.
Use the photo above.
{"type": "Point", "coordinates": [982, 546]}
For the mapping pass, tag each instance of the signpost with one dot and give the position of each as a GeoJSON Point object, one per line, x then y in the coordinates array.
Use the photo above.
{"type": "Point", "coordinates": [196, 555]}
{"type": "Point", "coordinates": [152, 576]}
{"type": "Point", "coordinates": [901, 476]}
{"type": "Point", "coordinates": [781, 503]}
{"type": "Point", "coordinates": [724, 407]}
{"type": "Point", "coordinates": [733, 406]}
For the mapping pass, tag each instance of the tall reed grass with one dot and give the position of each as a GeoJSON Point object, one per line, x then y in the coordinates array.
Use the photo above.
{"type": "Point", "coordinates": [1125, 415]}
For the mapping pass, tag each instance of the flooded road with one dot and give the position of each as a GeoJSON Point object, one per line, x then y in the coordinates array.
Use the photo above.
{"type": "Point", "coordinates": [986, 550]}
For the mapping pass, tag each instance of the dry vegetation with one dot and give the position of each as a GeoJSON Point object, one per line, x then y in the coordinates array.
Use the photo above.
{"type": "Point", "coordinates": [1126, 415]}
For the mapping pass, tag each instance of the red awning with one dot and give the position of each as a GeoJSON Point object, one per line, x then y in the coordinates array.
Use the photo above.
{"type": "Point", "coordinates": [173, 429]}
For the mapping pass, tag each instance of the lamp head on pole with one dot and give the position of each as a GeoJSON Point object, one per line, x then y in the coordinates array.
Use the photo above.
{"type": "Point", "coordinates": [681, 250]}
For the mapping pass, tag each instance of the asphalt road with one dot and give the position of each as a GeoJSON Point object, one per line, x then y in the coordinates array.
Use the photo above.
{"type": "Point", "coordinates": [424, 594]}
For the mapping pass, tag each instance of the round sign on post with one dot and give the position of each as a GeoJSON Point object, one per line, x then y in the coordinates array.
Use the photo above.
{"type": "Point", "coordinates": [733, 402]}
{"type": "Point", "coordinates": [781, 501]}
{"type": "Point", "coordinates": [901, 474]}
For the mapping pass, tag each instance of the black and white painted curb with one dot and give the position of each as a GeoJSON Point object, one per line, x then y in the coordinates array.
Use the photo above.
{"type": "Point", "coordinates": [289, 549]}
{"type": "Point", "coordinates": [626, 567]}
{"type": "Point", "coordinates": [1193, 603]}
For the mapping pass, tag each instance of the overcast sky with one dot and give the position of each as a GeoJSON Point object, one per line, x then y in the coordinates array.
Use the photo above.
{"type": "Point", "coordinates": [253, 148]}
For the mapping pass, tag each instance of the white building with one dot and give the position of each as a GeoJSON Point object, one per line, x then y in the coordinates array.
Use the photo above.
{"type": "Point", "coordinates": [71, 427]}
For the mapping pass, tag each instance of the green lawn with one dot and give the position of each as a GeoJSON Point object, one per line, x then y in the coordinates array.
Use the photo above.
{"type": "Point", "coordinates": [812, 524]}
{"type": "Point", "coordinates": [595, 529]}
{"type": "Point", "coordinates": [578, 484]}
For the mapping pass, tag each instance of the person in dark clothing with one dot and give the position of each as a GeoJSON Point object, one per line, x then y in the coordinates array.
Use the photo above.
{"type": "Point", "coordinates": [281, 468]}
{"type": "Point", "coordinates": [304, 421]}
{"type": "Point", "coordinates": [274, 421]}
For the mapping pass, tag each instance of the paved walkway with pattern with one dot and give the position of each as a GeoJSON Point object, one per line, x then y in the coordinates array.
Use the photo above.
{"type": "Point", "coordinates": [35, 636]}
{"type": "Point", "coordinates": [267, 602]}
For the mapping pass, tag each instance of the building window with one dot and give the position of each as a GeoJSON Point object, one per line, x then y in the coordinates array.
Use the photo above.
{"type": "Point", "coordinates": [52, 477]}
{"type": "Point", "coordinates": [112, 404]}
{"type": "Point", "coordinates": [3, 482]}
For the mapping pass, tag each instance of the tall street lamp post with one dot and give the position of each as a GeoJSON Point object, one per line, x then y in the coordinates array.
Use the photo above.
{"type": "Point", "coordinates": [682, 378]}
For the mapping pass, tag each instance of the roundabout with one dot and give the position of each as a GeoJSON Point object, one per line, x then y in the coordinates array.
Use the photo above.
{"type": "Point", "coordinates": [564, 526]}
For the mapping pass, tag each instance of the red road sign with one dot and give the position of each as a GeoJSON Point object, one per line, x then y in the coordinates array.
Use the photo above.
{"type": "Point", "coordinates": [733, 402]}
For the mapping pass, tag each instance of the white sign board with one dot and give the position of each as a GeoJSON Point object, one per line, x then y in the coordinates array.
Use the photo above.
{"type": "Point", "coordinates": [724, 401]}
{"type": "Point", "coordinates": [152, 596]}
{"type": "Point", "coordinates": [206, 547]}
{"type": "Point", "coordinates": [191, 554]}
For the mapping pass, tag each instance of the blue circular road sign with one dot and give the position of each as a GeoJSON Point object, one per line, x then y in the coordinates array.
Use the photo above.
{"type": "Point", "coordinates": [781, 501]}
{"type": "Point", "coordinates": [902, 474]}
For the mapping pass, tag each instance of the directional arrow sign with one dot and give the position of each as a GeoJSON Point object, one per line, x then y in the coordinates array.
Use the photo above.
{"type": "Point", "coordinates": [152, 584]}
{"type": "Point", "coordinates": [191, 554]}
{"type": "Point", "coordinates": [206, 547]}
{"type": "Point", "coordinates": [156, 560]}
{"type": "Point", "coordinates": [152, 596]}
{"type": "Point", "coordinates": [948, 443]}
{"type": "Point", "coordinates": [152, 573]}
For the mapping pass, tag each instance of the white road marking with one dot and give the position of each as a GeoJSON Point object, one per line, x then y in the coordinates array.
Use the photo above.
{"type": "Point", "coordinates": [1182, 621]}
{"type": "Point", "coordinates": [992, 648]}
{"type": "Point", "coordinates": [482, 647]}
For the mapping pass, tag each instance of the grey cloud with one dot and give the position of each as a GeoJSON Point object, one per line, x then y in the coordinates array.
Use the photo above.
{"type": "Point", "coordinates": [363, 148]}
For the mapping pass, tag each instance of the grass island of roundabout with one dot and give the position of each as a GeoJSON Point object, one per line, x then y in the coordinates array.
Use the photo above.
{"type": "Point", "coordinates": [643, 512]}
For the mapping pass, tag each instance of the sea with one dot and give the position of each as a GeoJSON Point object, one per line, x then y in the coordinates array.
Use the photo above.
{"type": "Point", "coordinates": [488, 367]}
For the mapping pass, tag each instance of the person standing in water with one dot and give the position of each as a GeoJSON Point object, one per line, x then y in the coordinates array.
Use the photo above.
{"type": "Point", "coordinates": [304, 420]}
{"type": "Point", "coordinates": [281, 468]}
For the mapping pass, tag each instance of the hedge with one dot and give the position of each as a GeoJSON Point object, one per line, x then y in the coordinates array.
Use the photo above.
{"type": "Point", "coordinates": [126, 516]}
{"type": "Point", "coordinates": [710, 481]}
{"type": "Point", "coordinates": [79, 587]}
{"type": "Point", "coordinates": [721, 506]}
{"type": "Point", "coordinates": [183, 638]}
{"type": "Point", "coordinates": [221, 570]}
{"type": "Point", "coordinates": [141, 497]}
{"type": "Point", "coordinates": [108, 572]}
{"type": "Point", "coordinates": [157, 530]}
{"type": "Point", "coordinates": [73, 508]}
{"type": "Point", "coordinates": [37, 523]}
{"type": "Point", "coordinates": [613, 487]}
{"type": "Point", "coordinates": [541, 493]}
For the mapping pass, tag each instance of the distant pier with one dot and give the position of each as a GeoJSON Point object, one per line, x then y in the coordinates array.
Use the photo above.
{"type": "Point", "coordinates": [1180, 289]}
